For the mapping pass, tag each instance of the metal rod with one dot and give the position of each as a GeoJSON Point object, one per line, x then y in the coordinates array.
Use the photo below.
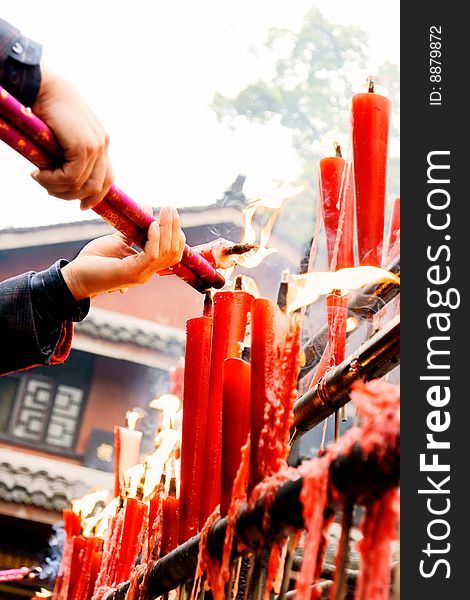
{"type": "Point", "coordinates": [377, 356]}
{"type": "Point", "coordinates": [354, 475]}
{"type": "Point", "coordinates": [366, 301]}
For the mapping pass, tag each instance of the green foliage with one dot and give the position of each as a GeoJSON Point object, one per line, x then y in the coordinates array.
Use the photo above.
{"type": "Point", "coordinates": [309, 93]}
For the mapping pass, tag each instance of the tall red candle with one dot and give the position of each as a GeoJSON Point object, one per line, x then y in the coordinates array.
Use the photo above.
{"type": "Point", "coordinates": [94, 571]}
{"type": "Point", "coordinates": [84, 567]}
{"type": "Point", "coordinates": [275, 339]}
{"type": "Point", "coordinates": [370, 132]}
{"type": "Point", "coordinates": [130, 538]}
{"type": "Point", "coordinates": [230, 318]}
{"type": "Point", "coordinates": [79, 545]}
{"type": "Point", "coordinates": [195, 399]}
{"type": "Point", "coordinates": [170, 520]}
{"type": "Point", "coordinates": [235, 423]}
{"type": "Point", "coordinates": [337, 200]}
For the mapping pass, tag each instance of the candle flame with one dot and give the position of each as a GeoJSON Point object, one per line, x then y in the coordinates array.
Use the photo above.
{"type": "Point", "coordinates": [100, 522]}
{"type": "Point", "coordinates": [248, 284]}
{"type": "Point", "coordinates": [132, 417]}
{"type": "Point", "coordinates": [87, 505]}
{"type": "Point", "coordinates": [274, 202]}
{"type": "Point", "coordinates": [305, 289]}
{"type": "Point", "coordinates": [351, 323]}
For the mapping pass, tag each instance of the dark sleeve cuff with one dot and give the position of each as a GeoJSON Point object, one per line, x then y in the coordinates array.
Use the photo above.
{"type": "Point", "coordinates": [53, 299]}
{"type": "Point", "coordinates": [20, 56]}
{"type": "Point", "coordinates": [53, 306]}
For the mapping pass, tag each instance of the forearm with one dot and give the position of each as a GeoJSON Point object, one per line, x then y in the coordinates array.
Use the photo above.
{"type": "Point", "coordinates": [36, 314]}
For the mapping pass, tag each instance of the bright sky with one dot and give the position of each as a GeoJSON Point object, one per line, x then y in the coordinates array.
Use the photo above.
{"type": "Point", "coordinates": [149, 70]}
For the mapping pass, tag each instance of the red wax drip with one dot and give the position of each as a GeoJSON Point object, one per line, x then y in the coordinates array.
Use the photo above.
{"type": "Point", "coordinates": [230, 319]}
{"type": "Point", "coordinates": [336, 199]}
{"type": "Point", "coordinates": [393, 248]}
{"type": "Point", "coordinates": [196, 393]}
{"type": "Point", "coordinates": [379, 529]}
{"type": "Point", "coordinates": [235, 423]}
{"type": "Point", "coordinates": [274, 370]}
{"type": "Point", "coordinates": [370, 132]}
{"type": "Point", "coordinates": [337, 314]}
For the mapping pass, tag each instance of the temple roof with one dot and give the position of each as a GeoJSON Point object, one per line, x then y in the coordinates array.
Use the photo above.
{"type": "Point", "coordinates": [123, 336]}
{"type": "Point", "coordinates": [45, 483]}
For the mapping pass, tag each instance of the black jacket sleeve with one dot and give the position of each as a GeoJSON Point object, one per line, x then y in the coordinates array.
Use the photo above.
{"type": "Point", "coordinates": [37, 312]}
{"type": "Point", "coordinates": [20, 73]}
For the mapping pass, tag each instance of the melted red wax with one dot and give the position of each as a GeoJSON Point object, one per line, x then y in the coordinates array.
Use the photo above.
{"type": "Point", "coordinates": [314, 497]}
{"type": "Point", "coordinates": [154, 533]}
{"type": "Point", "coordinates": [109, 560]}
{"type": "Point", "coordinates": [280, 392]}
{"type": "Point", "coordinates": [205, 563]}
{"type": "Point", "coordinates": [377, 404]}
{"type": "Point", "coordinates": [379, 530]}
{"type": "Point", "coordinates": [218, 572]}
{"type": "Point", "coordinates": [240, 485]}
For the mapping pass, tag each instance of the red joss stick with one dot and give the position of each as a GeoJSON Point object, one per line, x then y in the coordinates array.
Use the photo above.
{"type": "Point", "coordinates": [27, 134]}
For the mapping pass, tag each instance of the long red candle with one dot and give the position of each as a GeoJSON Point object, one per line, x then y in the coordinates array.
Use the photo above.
{"type": "Point", "coordinates": [84, 567]}
{"type": "Point", "coordinates": [79, 545]}
{"type": "Point", "coordinates": [275, 339]}
{"type": "Point", "coordinates": [95, 566]}
{"type": "Point", "coordinates": [337, 206]}
{"type": "Point", "coordinates": [235, 423]}
{"type": "Point", "coordinates": [230, 318]}
{"type": "Point", "coordinates": [170, 520]}
{"type": "Point", "coordinates": [370, 132]}
{"type": "Point", "coordinates": [195, 399]}
{"type": "Point", "coordinates": [129, 550]}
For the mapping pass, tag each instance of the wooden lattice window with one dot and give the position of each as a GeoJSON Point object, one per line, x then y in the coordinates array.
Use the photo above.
{"type": "Point", "coordinates": [47, 413]}
{"type": "Point", "coordinates": [42, 408]}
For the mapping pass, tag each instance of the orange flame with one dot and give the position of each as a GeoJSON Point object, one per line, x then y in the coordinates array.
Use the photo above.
{"type": "Point", "coordinates": [85, 506]}
{"type": "Point", "coordinates": [305, 289]}
{"type": "Point", "coordinates": [279, 196]}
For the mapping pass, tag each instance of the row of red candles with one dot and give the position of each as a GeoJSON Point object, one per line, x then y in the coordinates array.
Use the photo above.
{"type": "Point", "coordinates": [225, 396]}
{"type": "Point", "coordinates": [358, 189]}
{"type": "Point", "coordinates": [210, 458]}
{"type": "Point", "coordinates": [90, 567]}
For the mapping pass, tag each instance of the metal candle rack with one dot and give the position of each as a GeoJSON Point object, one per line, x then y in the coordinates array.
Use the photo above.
{"type": "Point", "coordinates": [353, 475]}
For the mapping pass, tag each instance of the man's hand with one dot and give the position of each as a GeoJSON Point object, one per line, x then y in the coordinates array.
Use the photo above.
{"type": "Point", "coordinates": [110, 263]}
{"type": "Point", "coordinates": [86, 174]}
